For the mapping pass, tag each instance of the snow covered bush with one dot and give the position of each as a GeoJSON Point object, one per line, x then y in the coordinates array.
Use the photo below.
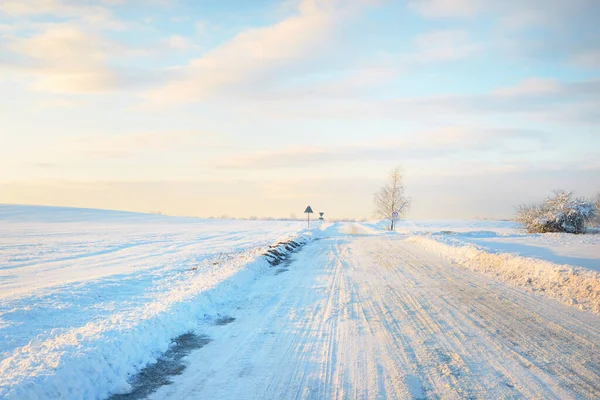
{"type": "Point", "coordinates": [558, 213]}
{"type": "Point", "coordinates": [596, 200]}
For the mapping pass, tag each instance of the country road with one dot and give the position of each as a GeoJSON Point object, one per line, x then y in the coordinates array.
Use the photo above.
{"type": "Point", "coordinates": [374, 317]}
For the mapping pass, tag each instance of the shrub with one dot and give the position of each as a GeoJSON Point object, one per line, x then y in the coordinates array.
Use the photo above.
{"type": "Point", "coordinates": [558, 213]}
{"type": "Point", "coordinates": [596, 201]}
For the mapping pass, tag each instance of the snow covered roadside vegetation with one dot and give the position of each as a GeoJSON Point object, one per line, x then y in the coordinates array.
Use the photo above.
{"type": "Point", "coordinates": [571, 285]}
{"type": "Point", "coordinates": [89, 297]}
{"type": "Point", "coordinates": [558, 213]}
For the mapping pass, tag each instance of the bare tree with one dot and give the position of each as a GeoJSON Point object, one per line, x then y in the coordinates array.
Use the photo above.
{"type": "Point", "coordinates": [390, 198]}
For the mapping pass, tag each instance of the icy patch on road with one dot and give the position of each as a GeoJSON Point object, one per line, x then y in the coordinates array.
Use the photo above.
{"type": "Point", "coordinates": [575, 286]}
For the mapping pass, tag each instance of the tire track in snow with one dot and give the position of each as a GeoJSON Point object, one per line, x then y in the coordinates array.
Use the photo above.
{"type": "Point", "coordinates": [545, 333]}
{"type": "Point", "coordinates": [371, 317]}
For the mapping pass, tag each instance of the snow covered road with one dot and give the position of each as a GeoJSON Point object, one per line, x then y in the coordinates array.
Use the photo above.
{"type": "Point", "coordinates": [364, 316]}
{"type": "Point", "coordinates": [94, 303]}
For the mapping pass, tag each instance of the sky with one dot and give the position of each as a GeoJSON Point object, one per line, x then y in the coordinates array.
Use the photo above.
{"type": "Point", "coordinates": [261, 107]}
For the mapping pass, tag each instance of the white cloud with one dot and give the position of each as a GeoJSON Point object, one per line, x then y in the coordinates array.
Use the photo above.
{"type": "Point", "coordinates": [570, 28]}
{"type": "Point", "coordinates": [447, 8]}
{"type": "Point", "coordinates": [529, 87]}
{"type": "Point", "coordinates": [589, 58]}
{"type": "Point", "coordinates": [19, 7]}
{"type": "Point", "coordinates": [87, 13]}
{"type": "Point", "coordinates": [178, 42]}
{"type": "Point", "coordinates": [65, 58]}
{"type": "Point", "coordinates": [444, 45]}
{"type": "Point", "coordinates": [114, 146]}
{"type": "Point", "coordinates": [200, 27]}
{"type": "Point", "coordinates": [421, 145]}
{"type": "Point", "coordinates": [254, 55]}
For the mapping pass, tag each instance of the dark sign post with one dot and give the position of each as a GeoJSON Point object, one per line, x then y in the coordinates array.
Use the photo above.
{"type": "Point", "coordinates": [321, 216]}
{"type": "Point", "coordinates": [308, 211]}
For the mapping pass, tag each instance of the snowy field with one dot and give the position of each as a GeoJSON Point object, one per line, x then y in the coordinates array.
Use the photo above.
{"type": "Point", "coordinates": [507, 237]}
{"type": "Point", "coordinates": [90, 298]}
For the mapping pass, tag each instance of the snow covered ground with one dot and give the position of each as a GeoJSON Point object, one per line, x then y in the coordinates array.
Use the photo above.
{"type": "Point", "coordinates": [562, 266]}
{"type": "Point", "coordinates": [90, 298]}
{"type": "Point", "coordinates": [87, 297]}
{"type": "Point", "coordinates": [507, 237]}
{"type": "Point", "coordinates": [363, 316]}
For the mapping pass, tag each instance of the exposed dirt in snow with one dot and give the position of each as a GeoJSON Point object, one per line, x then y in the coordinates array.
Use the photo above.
{"type": "Point", "coordinates": [88, 298]}
{"type": "Point", "coordinates": [169, 364]}
{"type": "Point", "coordinates": [224, 320]}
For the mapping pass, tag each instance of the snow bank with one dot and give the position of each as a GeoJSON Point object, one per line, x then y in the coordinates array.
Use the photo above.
{"type": "Point", "coordinates": [557, 248]}
{"type": "Point", "coordinates": [570, 285]}
{"type": "Point", "coordinates": [95, 360]}
{"type": "Point", "coordinates": [89, 297]}
{"type": "Point", "coordinates": [428, 226]}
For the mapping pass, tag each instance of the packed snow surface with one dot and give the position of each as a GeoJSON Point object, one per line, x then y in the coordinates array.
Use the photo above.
{"type": "Point", "coordinates": [562, 266]}
{"type": "Point", "coordinates": [361, 316]}
{"type": "Point", "coordinates": [89, 298]}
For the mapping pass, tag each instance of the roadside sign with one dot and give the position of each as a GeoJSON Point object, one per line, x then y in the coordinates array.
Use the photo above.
{"type": "Point", "coordinates": [395, 215]}
{"type": "Point", "coordinates": [308, 211]}
{"type": "Point", "coordinates": [321, 215]}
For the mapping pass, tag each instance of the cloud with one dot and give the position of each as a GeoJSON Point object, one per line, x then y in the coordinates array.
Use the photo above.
{"type": "Point", "coordinates": [61, 46]}
{"type": "Point", "coordinates": [538, 100]}
{"type": "Point", "coordinates": [253, 57]}
{"type": "Point", "coordinates": [428, 145]}
{"type": "Point", "coordinates": [104, 155]}
{"type": "Point", "coordinates": [65, 58]}
{"type": "Point", "coordinates": [512, 13]}
{"type": "Point", "coordinates": [530, 87]}
{"type": "Point", "coordinates": [37, 7]}
{"type": "Point", "coordinates": [178, 42]}
{"type": "Point", "coordinates": [84, 9]}
{"type": "Point", "coordinates": [447, 8]}
{"type": "Point", "coordinates": [537, 94]}
{"type": "Point", "coordinates": [373, 75]}
{"type": "Point", "coordinates": [443, 45]}
{"type": "Point", "coordinates": [85, 12]}
{"type": "Point", "coordinates": [589, 58]}
{"type": "Point", "coordinates": [570, 28]}
{"type": "Point", "coordinates": [118, 146]}
{"type": "Point", "coordinates": [530, 101]}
